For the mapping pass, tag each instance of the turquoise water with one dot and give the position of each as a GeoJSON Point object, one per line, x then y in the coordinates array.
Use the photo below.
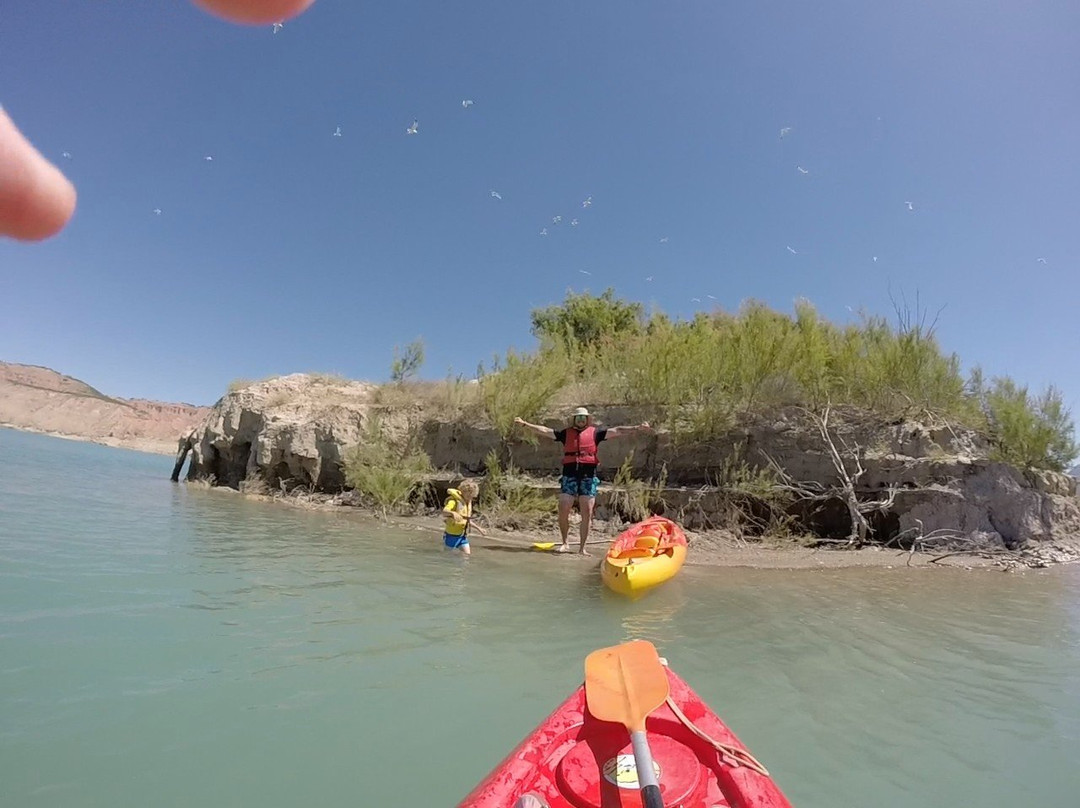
{"type": "Point", "coordinates": [173, 646]}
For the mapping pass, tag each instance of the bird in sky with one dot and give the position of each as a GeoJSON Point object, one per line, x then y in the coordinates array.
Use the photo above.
{"type": "Point", "coordinates": [695, 300]}
{"type": "Point", "coordinates": [1041, 260]}
{"type": "Point", "coordinates": [875, 259]}
{"type": "Point", "coordinates": [157, 211]}
{"type": "Point", "coordinates": [556, 219]}
{"type": "Point", "coordinates": [584, 272]}
{"type": "Point", "coordinates": [496, 195]}
{"type": "Point", "coordinates": [466, 103]}
{"type": "Point", "coordinates": [793, 252]}
{"type": "Point", "coordinates": [649, 279]}
{"type": "Point", "coordinates": [664, 240]}
{"type": "Point", "coordinates": [543, 231]}
{"type": "Point", "coordinates": [784, 131]}
{"type": "Point", "coordinates": [802, 170]}
{"type": "Point", "coordinates": [66, 155]}
{"type": "Point", "coordinates": [337, 132]}
{"type": "Point", "coordinates": [412, 130]}
{"type": "Point", "coordinates": [278, 26]}
{"type": "Point", "coordinates": [710, 297]}
{"type": "Point", "coordinates": [573, 222]}
{"type": "Point", "coordinates": [909, 206]}
{"type": "Point", "coordinates": [587, 202]}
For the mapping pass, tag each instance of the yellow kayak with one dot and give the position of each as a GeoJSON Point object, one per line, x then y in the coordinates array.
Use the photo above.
{"type": "Point", "coordinates": [644, 556]}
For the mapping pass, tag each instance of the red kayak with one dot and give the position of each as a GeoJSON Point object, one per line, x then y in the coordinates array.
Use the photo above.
{"type": "Point", "coordinates": [573, 760]}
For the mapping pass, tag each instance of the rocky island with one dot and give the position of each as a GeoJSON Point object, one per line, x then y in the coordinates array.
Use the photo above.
{"type": "Point", "coordinates": [771, 428]}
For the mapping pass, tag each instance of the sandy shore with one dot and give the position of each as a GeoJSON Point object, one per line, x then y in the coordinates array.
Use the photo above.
{"type": "Point", "coordinates": [713, 549]}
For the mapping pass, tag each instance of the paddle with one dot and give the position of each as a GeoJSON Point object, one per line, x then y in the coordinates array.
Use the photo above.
{"type": "Point", "coordinates": [548, 545]}
{"type": "Point", "coordinates": [623, 684]}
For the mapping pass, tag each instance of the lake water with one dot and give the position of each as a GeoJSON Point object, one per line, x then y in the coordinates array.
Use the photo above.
{"type": "Point", "coordinates": [173, 646]}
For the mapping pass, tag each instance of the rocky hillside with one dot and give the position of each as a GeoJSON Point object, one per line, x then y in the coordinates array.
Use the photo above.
{"type": "Point", "coordinates": [41, 400]}
{"type": "Point", "coordinates": [922, 484]}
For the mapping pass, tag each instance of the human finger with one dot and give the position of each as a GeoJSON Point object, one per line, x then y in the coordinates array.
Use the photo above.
{"type": "Point", "coordinates": [254, 12]}
{"type": "Point", "coordinates": [36, 199]}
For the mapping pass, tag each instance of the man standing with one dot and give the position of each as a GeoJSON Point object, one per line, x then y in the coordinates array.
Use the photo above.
{"type": "Point", "coordinates": [579, 481]}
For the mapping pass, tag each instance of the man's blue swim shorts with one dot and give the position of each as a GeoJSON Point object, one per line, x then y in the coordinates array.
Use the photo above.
{"type": "Point", "coordinates": [579, 486]}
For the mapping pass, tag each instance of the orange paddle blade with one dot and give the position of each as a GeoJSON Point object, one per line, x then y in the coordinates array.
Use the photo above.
{"type": "Point", "coordinates": [625, 683]}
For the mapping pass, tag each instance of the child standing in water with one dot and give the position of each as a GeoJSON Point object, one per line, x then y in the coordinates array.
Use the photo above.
{"type": "Point", "coordinates": [458, 514]}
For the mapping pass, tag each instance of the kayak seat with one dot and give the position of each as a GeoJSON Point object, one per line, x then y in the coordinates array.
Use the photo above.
{"type": "Point", "coordinates": [634, 552]}
{"type": "Point", "coordinates": [647, 542]}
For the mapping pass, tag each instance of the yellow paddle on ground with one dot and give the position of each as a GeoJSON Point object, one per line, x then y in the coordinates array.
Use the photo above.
{"type": "Point", "coordinates": [623, 684]}
{"type": "Point", "coordinates": [551, 545]}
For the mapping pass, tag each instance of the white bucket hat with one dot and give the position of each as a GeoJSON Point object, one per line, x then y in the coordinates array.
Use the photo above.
{"type": "Point", "coordinates": [581, 411]}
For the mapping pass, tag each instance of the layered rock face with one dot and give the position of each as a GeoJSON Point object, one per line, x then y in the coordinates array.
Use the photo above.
{"type": "Point", "coordinates": [43, 400]}
{"type": "Point", "coordinates": [298, 428]}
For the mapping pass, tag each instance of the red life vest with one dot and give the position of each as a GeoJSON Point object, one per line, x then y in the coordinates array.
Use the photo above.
{"type": "Point", "coordinates": [580, 446]}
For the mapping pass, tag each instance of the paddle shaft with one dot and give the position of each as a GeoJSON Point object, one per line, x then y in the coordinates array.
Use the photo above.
{"type": "Point", "coordinates": [650, 788]}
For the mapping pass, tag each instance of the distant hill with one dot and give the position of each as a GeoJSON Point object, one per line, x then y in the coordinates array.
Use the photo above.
{"type": "Point", "coordinates": [39, 399]}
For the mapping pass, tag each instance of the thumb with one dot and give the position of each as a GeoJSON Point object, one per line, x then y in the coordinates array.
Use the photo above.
{"type": "Point", "coordinates": [254, 12]}
{"type": "Point", "coordinates": [36, 199]}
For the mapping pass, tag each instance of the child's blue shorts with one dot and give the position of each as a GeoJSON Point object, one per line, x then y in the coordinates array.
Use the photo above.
{"type": "Point", "coordinates": [454, 542]}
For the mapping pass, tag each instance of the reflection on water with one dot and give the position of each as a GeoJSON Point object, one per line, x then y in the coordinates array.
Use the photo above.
{"type": "Point", "coordinates": [161, 643]}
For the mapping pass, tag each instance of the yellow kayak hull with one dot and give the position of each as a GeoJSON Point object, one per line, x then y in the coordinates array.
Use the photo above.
{"type": "Point", "coordinates": [635, 576]}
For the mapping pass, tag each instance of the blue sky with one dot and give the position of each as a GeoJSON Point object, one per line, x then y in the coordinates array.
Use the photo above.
{"type": "Point", "coordinates": [293, 250]}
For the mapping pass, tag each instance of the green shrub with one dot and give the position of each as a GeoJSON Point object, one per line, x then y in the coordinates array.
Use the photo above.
{"type": "Point", "coordinates": [1030, 431]}
{"type": "Point", "coordinates": [521, 386]}
{"type": "Point", "coordinates": [636, 499]}
{"type": "Point", "coordinates": [696, 377]}
{"type": "Point", "coordinates": [586, 320]}
{"type": "Point", "coordinates": [388, 474]}
{"type": "Point", "coordinates": [407, 361]}
{"type": "Point", "coordinates": [510, 501]}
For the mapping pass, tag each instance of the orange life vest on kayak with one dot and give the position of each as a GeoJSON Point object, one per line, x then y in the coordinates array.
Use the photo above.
{"type": "Point", "coordinates": [580, 446]}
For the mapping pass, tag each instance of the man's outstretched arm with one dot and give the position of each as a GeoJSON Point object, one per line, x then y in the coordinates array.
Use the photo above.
{"type": "Point", "coordinates": [623, 431]}
{"type": "Point", "coordinates": [537, 429]}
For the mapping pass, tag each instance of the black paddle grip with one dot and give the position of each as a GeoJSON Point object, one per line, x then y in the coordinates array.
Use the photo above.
{"type": "Point", "coordinates": [650, 796]}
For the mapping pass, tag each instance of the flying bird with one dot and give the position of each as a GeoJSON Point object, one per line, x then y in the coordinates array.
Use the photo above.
{"type": "Point", "coordinates": [710, 297]}
{"type": "Point", "coordinates": [1041, 260]}
{"type": "Point", "coordinates": [556, 219]}
{"type": "Point", "coordinates": [66, 155]}
{"type": "Point", "coordinates": [278, 26]}
{"type": "Point", "coordinates": [649, 279]}
{"type": "Point", "coordinates": [208, 159]}
{"type": "Point", "coordinates": [337, 132]}
{"type": "Point", "coordinates": [664, 240]}
{"type": "Point", "coordinates": [573, 222]}
{"type": "Point", "coordinates": [695, 300]}
{"type": "Point", "coordinates": [792, 251]}
{"type": "Point", "coordinates": [412, 130]}
{"type": "Point", "coordinates": [802, 170]}
{"type": "Point", "coordinates": [157, 211]}
{"type": "Point", "coordinates": [543, 231]}
{"type": "Point", "coordinates": [875, 259]}
{"type": "Point", "coordinates": [584, 272]}
{"type": "Point", "coordinates": [466, 103]}
{"type": "Point", "coordinates": [784, 131]}
{"type": "Point", "coordinates": [909, 206]}
{"type": "Point", "coordinates": [587, 202]}
{"type": "Point", "coordinates": [496, 195]}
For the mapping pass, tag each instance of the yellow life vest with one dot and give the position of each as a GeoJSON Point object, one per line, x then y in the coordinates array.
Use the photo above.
{"type": "Point", "coordinates": [455, 502]}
